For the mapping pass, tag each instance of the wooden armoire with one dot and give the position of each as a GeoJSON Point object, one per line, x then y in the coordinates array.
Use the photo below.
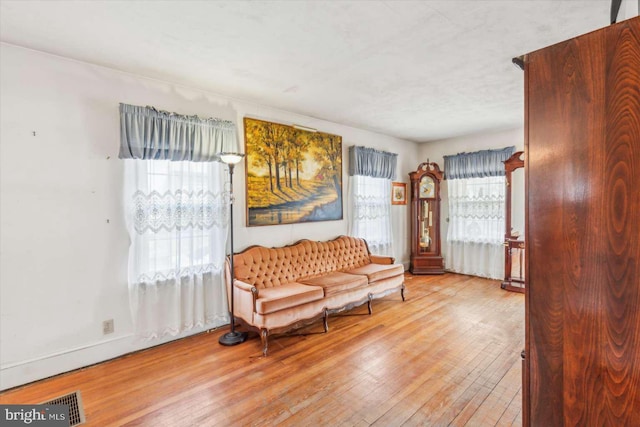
{"type": "Point", "coordinates": [582, 141]}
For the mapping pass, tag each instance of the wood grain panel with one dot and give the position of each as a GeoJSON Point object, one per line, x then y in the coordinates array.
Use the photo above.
{"type": "Point", "coordinates": [545, 195]}
{"type": "Point", "coordinates": [621, 327]}
{"type": "Point", "coordinates": [583, 216]}
{"type": "Point", "coordinates": [582, 273]}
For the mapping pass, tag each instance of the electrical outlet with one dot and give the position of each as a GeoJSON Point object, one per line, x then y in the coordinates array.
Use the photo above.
{"type": "Point", "coordinates": [107, 327]}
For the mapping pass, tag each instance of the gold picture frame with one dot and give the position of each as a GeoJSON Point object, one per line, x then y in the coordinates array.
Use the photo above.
{"type": "Point", "coordinates": [293, 174]}
{"type": "Point", "coordinates": [398, 193]}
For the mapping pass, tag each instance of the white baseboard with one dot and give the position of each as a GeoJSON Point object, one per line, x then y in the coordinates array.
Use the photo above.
{"type": "Point", "coordinates": [24, 372]}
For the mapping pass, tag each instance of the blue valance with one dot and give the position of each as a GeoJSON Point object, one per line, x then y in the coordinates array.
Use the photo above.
{"type": "Point", "coordinates": [147, 133]}
{"type": "Point", "coordinates": [369, 162]}
{"type": "Point", "coordinates": [478, 164]}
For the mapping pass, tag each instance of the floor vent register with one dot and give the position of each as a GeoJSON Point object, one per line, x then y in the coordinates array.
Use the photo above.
{"type": "Point", "coordinates": [76, 413]}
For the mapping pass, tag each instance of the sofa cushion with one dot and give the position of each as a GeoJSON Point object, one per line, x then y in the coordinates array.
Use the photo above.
{"type": "Point", "coordinates": [375, 272]}
{"type": "Point", "coordinates": [286, 296]}
{"type": "Point", "coordinates": [336, 282]}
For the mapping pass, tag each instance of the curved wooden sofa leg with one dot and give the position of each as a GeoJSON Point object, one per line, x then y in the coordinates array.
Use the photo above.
{"type": "Point", "coordinates": [402, 292]}
{"type": "Point", "coordinates": [370, 296]}
{"type": "Point", "coordinates": [326, 320]}
{"type": "Point", "coordinates": [264, 337]}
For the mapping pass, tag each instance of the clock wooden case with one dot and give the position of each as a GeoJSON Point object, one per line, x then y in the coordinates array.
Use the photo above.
{"type": "Point", "coordinates": [513, 244]}
{"type": "Point", "coordinates": [426, 255]}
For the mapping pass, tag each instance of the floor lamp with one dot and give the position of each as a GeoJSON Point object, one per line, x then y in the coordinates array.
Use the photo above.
{"type": "Point", "coordinates": [232, 337]}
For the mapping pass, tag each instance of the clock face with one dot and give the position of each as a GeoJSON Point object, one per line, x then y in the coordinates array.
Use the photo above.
{"type": "Point", "coordinates": [427, 188]}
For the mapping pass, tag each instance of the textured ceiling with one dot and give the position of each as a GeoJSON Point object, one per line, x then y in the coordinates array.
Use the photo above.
{"type": "Point", "coordinates": [418, 70]}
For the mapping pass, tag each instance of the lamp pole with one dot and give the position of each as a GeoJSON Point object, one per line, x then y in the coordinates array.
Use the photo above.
{"type": "Point", "coordinates": [232, 337]}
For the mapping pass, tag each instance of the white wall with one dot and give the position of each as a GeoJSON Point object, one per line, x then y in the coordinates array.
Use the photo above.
{"type": "Point", "coordinates": [628, 9]}
{"type": "Point", "coordinates": [63, 248]}
{"type": "Point", "coordinates": [435, 152]}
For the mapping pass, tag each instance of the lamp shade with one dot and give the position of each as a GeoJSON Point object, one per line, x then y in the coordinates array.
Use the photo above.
{"type": "Point", "coordinates": [230, 158]}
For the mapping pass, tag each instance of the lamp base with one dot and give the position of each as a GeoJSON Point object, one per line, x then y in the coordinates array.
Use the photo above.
{"type": "Point", "coordinates": [233, 338]}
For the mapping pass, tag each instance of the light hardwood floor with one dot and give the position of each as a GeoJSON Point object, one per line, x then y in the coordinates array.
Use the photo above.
{"type": "Point", "coordinates": [449, 355]}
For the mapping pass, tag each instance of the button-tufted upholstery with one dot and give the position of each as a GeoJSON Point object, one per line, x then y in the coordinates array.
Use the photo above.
{"type": "Point", "coordinates": [268, 267]}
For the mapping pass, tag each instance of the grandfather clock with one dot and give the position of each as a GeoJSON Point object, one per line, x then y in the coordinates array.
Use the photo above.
{"type": "Point", "coordinates": [426, 255]}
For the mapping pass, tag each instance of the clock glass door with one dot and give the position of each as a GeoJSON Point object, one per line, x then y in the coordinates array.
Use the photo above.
{"type": "Point", "coordinates": [427, 230]}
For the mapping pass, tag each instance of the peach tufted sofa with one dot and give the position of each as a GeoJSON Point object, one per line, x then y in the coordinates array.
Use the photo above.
{"type": "Point", "coordinates": [278, 289]}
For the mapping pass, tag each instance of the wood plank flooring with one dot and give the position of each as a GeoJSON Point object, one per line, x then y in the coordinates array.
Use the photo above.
{"type": "Point", "coordinates": [448, 356]}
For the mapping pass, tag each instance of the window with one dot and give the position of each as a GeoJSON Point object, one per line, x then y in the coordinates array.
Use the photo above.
{"type": "Point", "coordinates": [176, 215]}
{"type": "Point", "coordinates": [371, 212]}
{"type": "Point", "coordinates": [476, 210]}
{"type": "Point", "coordinates": [476, 226]}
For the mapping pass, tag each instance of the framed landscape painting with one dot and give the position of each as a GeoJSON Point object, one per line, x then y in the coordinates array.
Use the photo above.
{"type": "Point", "coordinates": [293, 175]}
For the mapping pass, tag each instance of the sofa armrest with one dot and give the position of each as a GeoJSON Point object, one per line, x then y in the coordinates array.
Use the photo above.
{"type": "Point", "coordinates": [377, 259]}
{"type": "Point", "coordinates": [245, 296]}
{"type": "Point", "coordinates": [245, 286]}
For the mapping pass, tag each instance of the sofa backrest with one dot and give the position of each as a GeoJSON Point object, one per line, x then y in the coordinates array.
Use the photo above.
{"type": "Point", "coordinates": [267, 267]}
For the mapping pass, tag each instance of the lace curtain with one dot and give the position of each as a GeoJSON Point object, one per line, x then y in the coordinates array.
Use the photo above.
{"type": "Point", "coordinates": [370, 175]}
{"type": "Point", "coordinates": [371, 213]}
{"type": "Point", "coordinates": [476, 188]}
{"type": "Point", "coordinates": [177, 219]}
{"type": "Point", "coordinates": [476, 226]}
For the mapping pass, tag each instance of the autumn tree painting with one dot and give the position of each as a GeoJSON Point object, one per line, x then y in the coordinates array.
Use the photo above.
{"type": "Point", "coordinates": [293, 175]}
